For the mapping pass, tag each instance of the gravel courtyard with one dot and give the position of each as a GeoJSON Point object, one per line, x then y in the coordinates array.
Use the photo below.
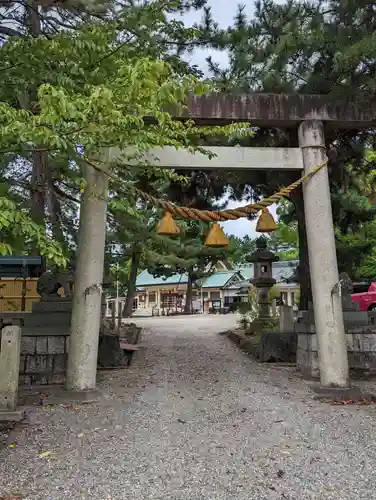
{"type": "Point", "coordinates": [194, 418]}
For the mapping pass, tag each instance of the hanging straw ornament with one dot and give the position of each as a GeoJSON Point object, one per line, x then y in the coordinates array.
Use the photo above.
{"type": "Point", "coordinates": [167, 226]}
{"type": "Point", "coordinates": [216, 238]}
{"type": "Point", "coordinates": [266, 222]}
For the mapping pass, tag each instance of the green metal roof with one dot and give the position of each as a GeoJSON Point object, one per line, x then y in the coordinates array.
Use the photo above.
{"type": "Point", "coordinates": [20, 260]}
{"type": "Point", "coordinates": [218, 280]}
{"type": "Point", "coordinates": [246, 272]}
{"type": "Point", "coordinates": [147, 279]}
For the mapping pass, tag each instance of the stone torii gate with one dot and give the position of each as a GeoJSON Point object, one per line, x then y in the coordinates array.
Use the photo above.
{"type": "Point", "coordinates": [311, 115]}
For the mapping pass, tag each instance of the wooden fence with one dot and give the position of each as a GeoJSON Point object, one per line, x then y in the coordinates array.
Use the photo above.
{"type": "Point", "coordinates": [18, 294]}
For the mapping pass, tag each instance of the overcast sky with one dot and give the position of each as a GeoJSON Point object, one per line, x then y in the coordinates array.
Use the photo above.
{"type": "Point", "coordinates": [223, 13]}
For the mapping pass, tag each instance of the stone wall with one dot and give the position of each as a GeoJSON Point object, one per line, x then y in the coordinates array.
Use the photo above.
{"type": "Point", "coordinates": [361, 351]}
{"type": "Point", "coordinates": [43, 358]}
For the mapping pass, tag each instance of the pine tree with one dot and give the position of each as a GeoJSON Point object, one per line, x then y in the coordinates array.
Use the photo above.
{"type": "Point", "coordinates": [313, 47]}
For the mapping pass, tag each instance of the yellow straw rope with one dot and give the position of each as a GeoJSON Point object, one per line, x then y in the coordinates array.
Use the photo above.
{"type": "Point", "coordinates": [222, 215]}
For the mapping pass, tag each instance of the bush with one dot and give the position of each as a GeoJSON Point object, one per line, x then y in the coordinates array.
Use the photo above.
{"type": "Point", "coordinates": [248, 310]}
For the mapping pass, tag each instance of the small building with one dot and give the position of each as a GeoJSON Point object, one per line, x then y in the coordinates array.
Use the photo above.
{"type": "Point", "coordinates": [220, 289]}
{"type": "Point", "coordinates": [216, 290]}
{"type": "Point", "coordinates": [160, 292]}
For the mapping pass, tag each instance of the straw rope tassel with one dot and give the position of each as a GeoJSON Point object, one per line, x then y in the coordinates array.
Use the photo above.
{"type": "Point", "coordinates": [216, 238]}
{"type": "Point", "coordinates": [266, 222]}
{"type": "Point", "coordinates": [167, 226]}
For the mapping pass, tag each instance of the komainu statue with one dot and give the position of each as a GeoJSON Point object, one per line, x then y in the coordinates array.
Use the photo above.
{"type": "Point", "coordinates": [50, 282]}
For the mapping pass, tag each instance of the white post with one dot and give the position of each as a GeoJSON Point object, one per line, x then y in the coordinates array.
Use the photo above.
{"type": "Point", "coordinates": [286, 319]}
{"type": "Point", "coordinates": [9, 366]}
{"type": "Point", "coordinates": [118, 305]}
{"type": "Point", "coordinates": [330, 332]}
{"type": "Point", "coordinates": [86, 313]}
{"type": "Point", "coordinates": [274, 307]}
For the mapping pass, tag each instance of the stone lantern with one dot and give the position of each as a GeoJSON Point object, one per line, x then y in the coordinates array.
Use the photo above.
{"type": "Point", "coordinates": [263, 279]}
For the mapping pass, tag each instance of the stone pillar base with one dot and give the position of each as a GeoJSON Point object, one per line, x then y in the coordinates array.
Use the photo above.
{"type": "Point", "coordinates": [361, 352]}
{"type": "Point", "coordinates": [12, 415]}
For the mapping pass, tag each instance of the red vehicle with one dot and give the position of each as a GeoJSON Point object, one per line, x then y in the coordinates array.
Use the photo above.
{"type": "Point", "coordinates": [365, 294]}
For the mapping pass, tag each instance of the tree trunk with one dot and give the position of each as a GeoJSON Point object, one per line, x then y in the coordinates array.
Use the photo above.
{"type": "Point", "coordinates": [33, 18]}
{"type": "Point", "coordinates": [131, 292]}
{"type": "Point", "coordinates": [304, 271]}
{"type": "Point", "coordinates": [54, 212]}
{"type": "Point", "coordinates": [86, 313]}
{"type": "Point", "coordinates": [39, 159]}
{"type": "Point", "coordinates": [188, 295]}
{"type": "Point", "coordinates": [37, 190]}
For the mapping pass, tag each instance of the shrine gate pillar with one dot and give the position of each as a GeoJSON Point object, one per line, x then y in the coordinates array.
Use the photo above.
{"type": "Point", "coordinates": [330, 332]}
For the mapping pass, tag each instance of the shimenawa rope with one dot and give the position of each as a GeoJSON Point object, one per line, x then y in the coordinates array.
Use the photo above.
{"type": "Point", "coordinates": [229, 214]}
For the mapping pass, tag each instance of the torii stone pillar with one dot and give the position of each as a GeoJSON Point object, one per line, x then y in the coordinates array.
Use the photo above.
{"type": "Point", "coordinates": [332, 349]}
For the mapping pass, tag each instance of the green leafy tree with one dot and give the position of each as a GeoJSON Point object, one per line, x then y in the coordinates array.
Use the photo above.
{"type": "Point", "coordinates": [103, 30]}
{"type": "Point", "coordinates": [99, 120]}
{"type": "Point", "coordinates": [239, 248]}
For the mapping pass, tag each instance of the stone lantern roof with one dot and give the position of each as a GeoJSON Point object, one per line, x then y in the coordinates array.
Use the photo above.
{"type": "Point", "coordinates": [262, 254]}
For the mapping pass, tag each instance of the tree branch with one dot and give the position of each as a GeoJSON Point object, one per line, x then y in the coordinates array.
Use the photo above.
{"type": "Point", "coordinates": [4, 30]}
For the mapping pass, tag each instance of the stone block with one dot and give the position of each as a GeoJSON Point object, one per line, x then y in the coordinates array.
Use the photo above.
{"type": "Point", "coordinates": [300, 327]}
{"type": "Point", "coordinates": [302, 341]}
{"type": "Point", "coordinates": [40, 379]}
{"type": "Point", "coordinates": [109, 352]}
{"type": "Point", "coordinates": [308, 317]}
{"type": "Point", "coordinates": [59, 363]}
{"type": "Point", "coordinates": [56, 345]}
{"type": "Point", "coordinates": [56, 378]}
{"type": "Point", "coordinates": [25, 380]}
{"type": "Point", "coordinates": [368, 342]}
{"type": "Point", "coordinates": [28, 345]}
{"type": "Point", "coordinates": [362, 341]}
{"type": "Point", "coordinates": [286, 319]}
{"type": "Point", "coordinates": [312, 365]}
{"type": "Point", "coordinates": [22, 364]}
{"type": "Point", "coordinates": [51, 306]}
{"type": "Point", "coordinates": [356, 342]}
{"type": "Point", "coordinates": [40, 363]}
{"type": "Point", "coordinates": [372, 317]}
{"type": "Point", "coordinates": [357, 361]}
{"type": "Point", "coordinates": [235, 337]}
{"type": "Point", "coordinates": [249, 346]}
{"type": "Point", "coordinates": [48, 320]}
{"type": "Point", "coordinates": [350, 342]}
{"type": "Point", "coordinates": [312, 342]}
{"type": "Point", "coordinates": [12, 416]}
{"type": "Point", "coordinates": [355, 318]}
{"type": "Point", "coordinates": [41, 345]}
{"type": "Point", "coordinates": [307, 363]}
{"type": "Point", "coordinates": [348, 304]}
{"type": "Point", "coordinates": [280, 347]}
{"type": "Point", "coordinates": [301, 359]}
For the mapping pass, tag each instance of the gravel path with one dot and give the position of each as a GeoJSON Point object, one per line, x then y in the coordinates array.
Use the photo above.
{"type": "Point", "coordinates": [194, 419]}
